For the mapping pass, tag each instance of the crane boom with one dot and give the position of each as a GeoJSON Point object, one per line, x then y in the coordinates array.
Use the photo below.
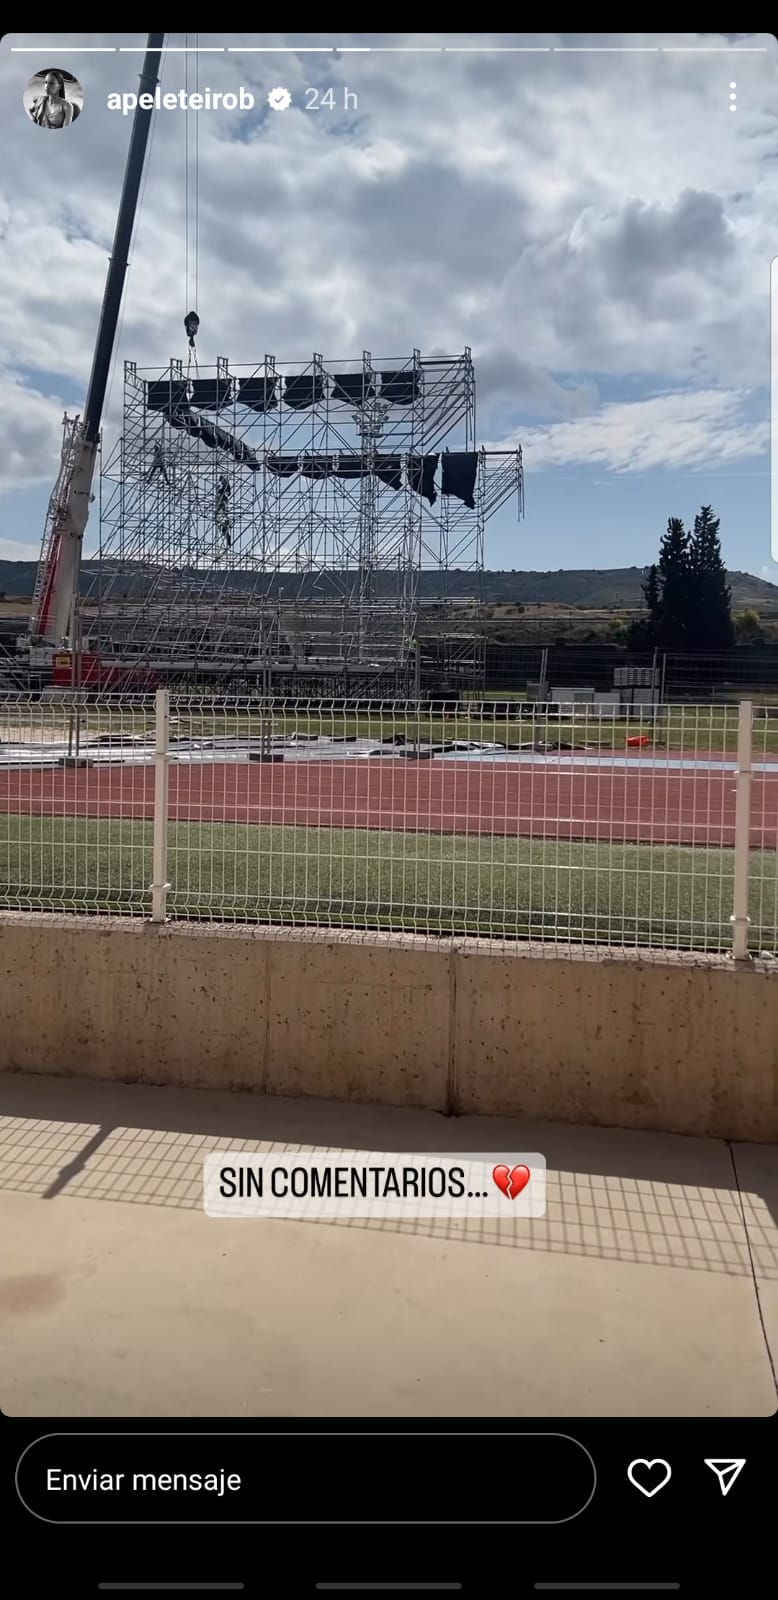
{"type": "Point", "coordinates": [56, 590]}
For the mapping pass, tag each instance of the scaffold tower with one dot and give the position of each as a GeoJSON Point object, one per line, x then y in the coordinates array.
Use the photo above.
{"type": "Point", "coordinates": [292, 517]}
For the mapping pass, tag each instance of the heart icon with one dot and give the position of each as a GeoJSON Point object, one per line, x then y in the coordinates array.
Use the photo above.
{"type": "Point", "coordinates": [646, 1488]}
{"type": "Point", "coordinates": [511, 1180]}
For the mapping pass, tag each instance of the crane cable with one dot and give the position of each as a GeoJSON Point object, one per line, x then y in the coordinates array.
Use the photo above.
{"type": "Point", "coordinates": [192, 208]}
{"type": "Point", "coordinates": [197, 180]}
{"type": "Point", "coordinates": [138, 214]}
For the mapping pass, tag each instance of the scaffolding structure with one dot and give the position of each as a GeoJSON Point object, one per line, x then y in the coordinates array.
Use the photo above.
{"type": "Point", "coordinates": [289, 521]}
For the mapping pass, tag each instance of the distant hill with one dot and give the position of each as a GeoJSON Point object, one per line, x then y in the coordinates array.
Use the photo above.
{"type": "Point", "coordinates": [613, 588]}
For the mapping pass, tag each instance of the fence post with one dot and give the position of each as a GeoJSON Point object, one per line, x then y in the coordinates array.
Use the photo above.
{"type": "Point", "coordinates": [160, 885]}
{"type": "Point", "coordinates": [739, 918]}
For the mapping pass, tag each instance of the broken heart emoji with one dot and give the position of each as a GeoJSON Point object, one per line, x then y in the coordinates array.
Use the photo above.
{"type": "Point", "coordinates": [511, 1180]}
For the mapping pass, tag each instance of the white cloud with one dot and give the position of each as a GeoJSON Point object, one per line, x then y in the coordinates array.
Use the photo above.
{"type": "Point", "coordinates": [669, 431]}
{"type": "Point", "coordinates": [31, 435]}
{"type": "Point", "coordinates": [15, 550]}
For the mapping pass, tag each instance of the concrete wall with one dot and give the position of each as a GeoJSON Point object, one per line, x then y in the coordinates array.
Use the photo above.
{"type": "Point", "coordinates": [684, 1045]}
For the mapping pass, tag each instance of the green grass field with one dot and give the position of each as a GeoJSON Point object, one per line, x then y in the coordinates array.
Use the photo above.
{"type": "Point", "coordinates": [665, 897]}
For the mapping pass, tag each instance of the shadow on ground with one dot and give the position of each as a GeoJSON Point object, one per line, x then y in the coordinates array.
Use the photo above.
{"type": "Point", "coordinates": [655, 1199]}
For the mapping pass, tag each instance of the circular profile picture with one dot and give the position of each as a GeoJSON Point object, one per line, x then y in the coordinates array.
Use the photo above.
{"type": "Point", "coordinates": [53, 98]}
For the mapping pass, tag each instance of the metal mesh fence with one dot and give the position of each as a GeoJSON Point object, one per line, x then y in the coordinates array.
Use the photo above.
{"type": "Point", "coordinates": [763, 871]}
{"type": "Point", "coordinates": [76, 819]}
{"type": "Point", "coordinates": [639, 827]}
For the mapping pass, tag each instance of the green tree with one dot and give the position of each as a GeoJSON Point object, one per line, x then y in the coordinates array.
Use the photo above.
{"type": "Point", "coordinates": [643, 633]}
{"type": "Point", "coordinates": [686, 595]}
{"type": "Point", "coordinates": [674, 583]}
{"type": "Point", "coordinates": [748, 628]}
{"type": "Point", "coordinates": [709, 603]}
{"type": "Point", "coordinates": [652, 598]}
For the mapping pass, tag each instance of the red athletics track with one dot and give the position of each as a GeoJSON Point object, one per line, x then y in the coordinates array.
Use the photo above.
{"type": "Point", "coordinates": [552, 802]}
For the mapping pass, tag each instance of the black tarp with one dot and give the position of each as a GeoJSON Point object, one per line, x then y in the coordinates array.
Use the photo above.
{"type": "Point", "coordinates": [168, 395]}
{"type": "Point", "coordinates": [306, 390]}
{"type": "Point", "coordinates": [210, 394]}
{"type": "Point", "coordinates": [180, 418]}
{"type": "Point", "coordinates": [349, 467]}
{"type": "Point", "coordinates": [317, 466]}
{"type": "Point", "coordinates": [400, 388]}
{"type": "Point", "coordinates": [259, 394]}
{"type": "Point", "coordinates": [421, 476]}
{"type": "Point", "coordinates": [200, 429]}
{"type": "Point", "coordinates": [244, 454]}
{"type": "Point", "coordinates": [389, 470]}
{"type": "Point", "coordinates": [354, 388]}
{"type": "Point", "coordinates": [459, 468]}
{"type": "Point", "coordinates": [283, 466]}
{"type": "Point", "coordinates": [213, 436]}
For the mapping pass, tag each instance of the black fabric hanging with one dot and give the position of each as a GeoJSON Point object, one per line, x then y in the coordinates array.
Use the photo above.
{"type": "Point", "coordinates": [304, 391]}
{"type": "Point", "coordinates": [259, 394]}
{"type": "Point", "coordinates": [389, 470]}
{"type": "Point", "coordinates": [317, 466]}
{"type": "Point", "coordinates": [349, 467]}
{"type": "Point", "coordinates": [169, 395]}
{"type": "Point", "coordinates": [353, 388]}
{"type": "Point", "coordinates": [210, 394]}
{"type": "Point", "coordinates": [213, 436]}
{"type": "Point", "coordinates": [400, 388]}
{"type": "Point", "coordinates": [459, 474]}
{"type": "Point", "coordinates": [283, 466]}
{"type": "Point", "coordinates": [205, 431]}
{"type": "Point", "coordinates": [243, 453]}
{"type": "Point", "coordinates": [180, 418]}
{"type": "Point", "coordinates": [421, 476]}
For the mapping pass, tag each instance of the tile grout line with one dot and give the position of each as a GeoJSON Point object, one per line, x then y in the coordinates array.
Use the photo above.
{"type": "Point", "coordinates": [754, 1276]}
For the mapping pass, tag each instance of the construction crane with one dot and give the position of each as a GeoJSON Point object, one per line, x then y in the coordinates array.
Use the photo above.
{"type": "Point", "coordinates": [54, 615]}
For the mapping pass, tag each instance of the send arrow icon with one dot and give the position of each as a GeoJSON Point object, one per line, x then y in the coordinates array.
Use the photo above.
{"type": "Point", "coordinates": [727, 1470]}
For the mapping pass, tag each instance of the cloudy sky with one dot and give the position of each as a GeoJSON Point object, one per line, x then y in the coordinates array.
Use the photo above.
{"type": "Point", "coordinates": [597, 225]}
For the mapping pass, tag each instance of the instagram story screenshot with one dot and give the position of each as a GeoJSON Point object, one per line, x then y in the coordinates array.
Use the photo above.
{"type": "Point", "coordinates": [388, 811]}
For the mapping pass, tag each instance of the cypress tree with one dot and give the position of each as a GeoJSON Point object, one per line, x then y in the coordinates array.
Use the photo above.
{"type": "Point", "coordinates": [674, 580]}
{"type": "Point", "coordinates": [710, 614]}
{"type": "Point", "coordinates": [652, 598]}
{"type": "Point", "coordinates": [644, 632]}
